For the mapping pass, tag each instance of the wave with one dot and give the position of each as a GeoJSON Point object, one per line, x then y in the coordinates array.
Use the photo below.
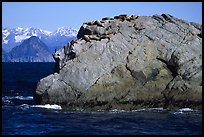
{"type": "Point", "coordinates": [48, 106]}
{"type": "Point", "coordinates": [149, 109]}
{"type": "Point", "coordinates": [6, 102]}
{"type": "Point", "coordinates": [117, 110]}
{"type": "Point", "coordinates": [135, 110]}
{"type": "Point", "coordinates": [24, 106]}
{"type": "Point", "coordinates": [185, 111]}
{"type": "Point", "coordinates": [17, 97]}
{"type": "Point", "coordinates": [179, 111]}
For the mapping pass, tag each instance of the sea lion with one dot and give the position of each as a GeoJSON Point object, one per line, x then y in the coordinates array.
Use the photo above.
{"type": "Point", "coordinates": [115, 32]}
{"type": "Point", "coordinates": [120, 17]}
{"type": "Point", "coordinates": [133, 17]}
{"type": "Point", "coordinates": [86, 38]}
{"type": "Point", "coordinates": [88, 23]}
{"type": "Point", "coordinates": [108, 32]}
{"type": "Point", "coordinates": [104, 37]}
{"type": "Point", "coordinates": [128, 18]}
{"type": "Point", "coordinates": [73, 42]}
{"type": "Point", "coordinates": [138, 27]}
{"type": "Point", "coordinates": [93, 37]}
{"type": "Point", "coordinates": [106, 18]}
{"type": "Point", "coordinates": [116, 17]}
{"type": "Point", "coordinates": [123, 15]}
{"type": "Point", "coordinates": [98, 23]}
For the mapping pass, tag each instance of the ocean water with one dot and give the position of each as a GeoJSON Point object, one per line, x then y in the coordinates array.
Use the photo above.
{"type": "Point", "coordinates": [21, 116]}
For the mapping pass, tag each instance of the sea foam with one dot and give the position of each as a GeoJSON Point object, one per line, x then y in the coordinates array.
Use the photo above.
{"type": "Point", "coordinates": [185, 109]}
{"type": "Point", "coordinates": [48, 106]}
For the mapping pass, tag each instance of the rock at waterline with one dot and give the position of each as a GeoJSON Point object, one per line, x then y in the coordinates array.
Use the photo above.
{"type": "Point", "coordinates": [128, 62]}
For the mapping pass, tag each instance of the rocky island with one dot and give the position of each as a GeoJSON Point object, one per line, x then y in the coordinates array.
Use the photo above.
{"type": "Point", "coordinates": [128, 62]}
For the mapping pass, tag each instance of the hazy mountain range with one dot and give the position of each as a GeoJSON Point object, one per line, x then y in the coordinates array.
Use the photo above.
{"type": "Point", "coordinates": [14, 42]}
{"type": "Point", "coordinates": [15, 36]}
{"type": "Point", "coordinates": [31, 50]}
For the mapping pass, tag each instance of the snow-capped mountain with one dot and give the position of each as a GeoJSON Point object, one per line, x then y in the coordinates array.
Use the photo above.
{"type": "Point", "coordinates": [65, 31]}
{"type": "Point", "coordinates": [11, 37]}
{"type": "Point", "coordinates": [31, 50]}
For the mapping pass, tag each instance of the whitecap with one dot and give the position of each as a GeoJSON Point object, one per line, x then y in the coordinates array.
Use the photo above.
{"type": "Point", "coordinates": [117, 110]}
{"type": "Point", "coordinates": [148, 109]}
{"type": "Point", "coordinates": [7, 98]}
{"type": "Point", "coordinates": [5, 101]}
{"type": "Point", "coordinates": [24, 106]}
{"type": "Point", "coordinates": [178, 112]}
{"type": "Point", "coordinates": [48, 106]}
{"type": "Point", "coordinates": [155, 109]}
{"type": "Point", "coordinates": [138, 110]}
{"type": "Point", "coordinates": [25, 98]}
{"type": "Point", "coordinates": [18, 97]}
{"type": "Point", "coordinates": [185, 109]}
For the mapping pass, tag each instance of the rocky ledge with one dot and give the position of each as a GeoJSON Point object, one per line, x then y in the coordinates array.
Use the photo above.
{"type": "Point", "coordinates": [128, 62]}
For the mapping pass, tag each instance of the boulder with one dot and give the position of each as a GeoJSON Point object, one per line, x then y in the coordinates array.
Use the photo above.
{"type": "Point", "coordinates": [129, 62]}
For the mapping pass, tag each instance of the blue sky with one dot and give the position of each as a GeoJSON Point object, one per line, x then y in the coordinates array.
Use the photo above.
{"type": "Point", "coordinates": [51, 15]}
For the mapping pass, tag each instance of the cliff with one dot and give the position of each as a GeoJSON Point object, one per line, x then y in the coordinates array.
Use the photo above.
{"type": "Point", "coordinates": [128, 62]}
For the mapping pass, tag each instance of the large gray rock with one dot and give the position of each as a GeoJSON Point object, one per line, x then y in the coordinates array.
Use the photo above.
{"type": "Point", "coordinates": [128, 62]}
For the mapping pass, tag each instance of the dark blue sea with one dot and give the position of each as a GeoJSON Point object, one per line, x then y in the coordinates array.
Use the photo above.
{"type": "Point", "coordinates": [21, 116]}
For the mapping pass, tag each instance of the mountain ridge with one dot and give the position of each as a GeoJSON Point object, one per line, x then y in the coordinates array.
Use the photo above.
{"type": "Point", "coordinates": [30, 50]}
{"type": "Point", "coordinates": [11, 37]}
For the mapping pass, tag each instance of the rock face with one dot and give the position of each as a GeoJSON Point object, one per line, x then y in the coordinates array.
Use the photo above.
{"type": "Point", "coordinates": [128, 62]}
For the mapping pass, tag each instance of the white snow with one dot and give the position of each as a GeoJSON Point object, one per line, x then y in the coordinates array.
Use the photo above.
{"type": "Point", "coordinates": [5, 41]}
{"type": "Point", "coordinates": [19, 34]}
{"type": "Point", "coordinates": [34, 34]}
{"type": "Point", "coordinates": [66, 31]}
{"type": "Point", "coordinates": [25, 33]}
{"type": "Point", "coordinates": [20, 38]}
{"type": "Point", "coordinates": [19, 29]}
{"type": "Point", "coordinates": [46, 32]}
{"type": "Point", "coordinates": [6, 33]}
{"type": "Point", "coordinates": [27, 29]}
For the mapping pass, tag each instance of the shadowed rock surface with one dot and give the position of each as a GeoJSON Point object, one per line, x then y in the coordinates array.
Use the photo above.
{"type": "Point", "coordinates": [128, 62]}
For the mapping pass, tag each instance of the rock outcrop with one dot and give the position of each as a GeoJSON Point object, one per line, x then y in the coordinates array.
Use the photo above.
{"type": "Point", "coordinates": [128, 62]}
